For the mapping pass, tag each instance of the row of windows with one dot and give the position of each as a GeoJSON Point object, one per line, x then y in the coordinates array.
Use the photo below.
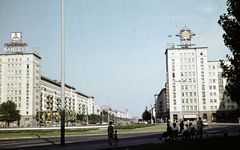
{"type": "Point", "coordinates": [16, 85]}
{"type": "Point", "coordinates": [15, 79]}
{"type": "Point", "coordinates": [14, 60]}
{"type": "Point", "coordinates": [189, 107]}
{"type": "Point", "coordinates": [16, 92]}
{"type": "Point", "coordinates": [14, 66]}
{"type": "Point", "coordinates": [213, 67]}
{"type": "Point", "coordinates": [187, 67]}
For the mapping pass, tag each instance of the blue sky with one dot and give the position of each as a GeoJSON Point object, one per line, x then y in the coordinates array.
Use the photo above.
{"type": "Point", "coordinates": [114, 49]}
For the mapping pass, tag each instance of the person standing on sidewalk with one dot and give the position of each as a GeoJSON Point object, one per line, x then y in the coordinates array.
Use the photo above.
{"type": "Point", "coordinates": [181, 127]}
{"type": "Point", "coordinates": [110, 132]}
{"type": "Point", "coordinates": [200, 126]}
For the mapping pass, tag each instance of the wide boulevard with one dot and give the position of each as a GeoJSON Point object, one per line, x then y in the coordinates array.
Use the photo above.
{"type": "Point", "coordinates": [100, 142]}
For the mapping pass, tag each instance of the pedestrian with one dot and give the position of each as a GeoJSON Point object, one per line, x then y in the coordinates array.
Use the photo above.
{"type": "Point", "coordinates": [181, 127]}
{"type": "Point", "coordinates": [115, 138]}
{"type": "Point", "coordinates": [200, 127]}
{"type": "Point", "coordinates": [174, 132]}
{"type": "Point", "coordinates": [167, 133]}
{"type": "Point", "coordinates": [185, 132]}
{"type": "Point", "coordinates": [110, 132]}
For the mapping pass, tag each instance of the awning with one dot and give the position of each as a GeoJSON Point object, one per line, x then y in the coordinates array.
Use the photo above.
{"type": "Point", "coordinates": [190, 116]}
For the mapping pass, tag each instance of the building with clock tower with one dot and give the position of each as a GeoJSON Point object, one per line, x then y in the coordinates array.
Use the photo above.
{"type": "Point", "coordinates": [194, 85]}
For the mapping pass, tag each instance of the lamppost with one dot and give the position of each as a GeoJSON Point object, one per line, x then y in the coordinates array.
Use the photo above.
{"type": "Point", "coordinates": [151, 113]}
{"type": "Point", "coordinates": [87, 114]}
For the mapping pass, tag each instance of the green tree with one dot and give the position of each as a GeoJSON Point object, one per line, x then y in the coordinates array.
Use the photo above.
{"type": "Point", "coordinates": [146, 115]}
{"type": "Point", "coordinates": [9, 112]}
{"type": "Point", "coordinates": [230, 24]}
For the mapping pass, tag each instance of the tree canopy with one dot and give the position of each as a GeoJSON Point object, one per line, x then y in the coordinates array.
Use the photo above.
{"type": "Point", "coordinates": [9, 112]}
{"type": "Point", "coordinates": [230, 23]}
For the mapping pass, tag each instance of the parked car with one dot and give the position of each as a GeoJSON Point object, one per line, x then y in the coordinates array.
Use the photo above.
{"type": "Point", "coordinates": [205, 123]}
{"type": "Point", "coordinates": [84, 124]}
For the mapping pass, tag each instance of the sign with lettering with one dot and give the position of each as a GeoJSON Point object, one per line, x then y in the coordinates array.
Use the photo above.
{"type": "Point", "coordinates": [15, 45]}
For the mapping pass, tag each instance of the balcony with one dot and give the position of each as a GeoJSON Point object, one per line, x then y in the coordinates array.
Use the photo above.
{"type": "Point", "coordinates": [46, 100]}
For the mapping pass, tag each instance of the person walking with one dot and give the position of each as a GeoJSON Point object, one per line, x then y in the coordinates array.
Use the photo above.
{"type": "Point", "coordinates": [115, 138]}
{"type": "Point", "coordinates": [110, 132]}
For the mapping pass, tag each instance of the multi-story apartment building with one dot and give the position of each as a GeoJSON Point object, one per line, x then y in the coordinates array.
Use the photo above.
{"type": "Point", "coordinates": [20, 78]}
{"type": "Point", "coordinates": [162, 105]}
{"type": "Point", "coordinates": [194, 85]}
{"type": "Point", "coordinates": [22, 83]}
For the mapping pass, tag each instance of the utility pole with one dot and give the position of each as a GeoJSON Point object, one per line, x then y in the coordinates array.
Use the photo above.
{"type": "Point", "coordinates": [63, 83]}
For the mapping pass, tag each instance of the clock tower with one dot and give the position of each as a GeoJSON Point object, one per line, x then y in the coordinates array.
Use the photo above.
{"type": "Point", "coordinates": [185, 37]}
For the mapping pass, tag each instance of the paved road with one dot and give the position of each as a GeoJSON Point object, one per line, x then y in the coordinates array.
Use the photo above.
{"type": "Point", "coordinates": [88, 142]}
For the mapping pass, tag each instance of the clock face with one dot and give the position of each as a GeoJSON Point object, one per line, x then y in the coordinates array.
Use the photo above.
{"type": "Point", "coordinates": [185, 34]}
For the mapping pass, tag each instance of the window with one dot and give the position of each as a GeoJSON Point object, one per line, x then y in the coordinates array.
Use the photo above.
{"type": "Point", "coordinates": [191, 101]}
{"type": "Point", "coordinates": [186, 100]}
{"type": "Point", "coordinates": [174, 95]}
{"type": "Point", "coordinates": [214, 81]}
{"type": "Point", "coordinates": [202, 80]}
{"type": "Point", "coordinates": [185, 67]}
{"type": "Point", "coordinates": [187, 107]}
{"type": "Point", "coordinates": [203, 94]}
{"type": "Point", "coordinates": [202, 68]}
{"type": "Point", "coordinates": [174, 102]}
{"type": "Point", "coordinates": [190, 80]}
{"type": "Point", "coordinates": [183, 107]}
{"type": "Point", "coordinates": [219, 74]}
{"type": "Point", "coordinates": [210, 87]}
{"type": "Point", "coordinates": [211, 100]}
{"type": "Point", "coordinates": [201, 60]}
{"type": "Point", "coordinates": [203, 87]}
{"type": "Point", "coordinates": [195, 107]}
{"type": "Point", "coordinates": [173, 68]}
{"type": "Point", "coordinates": [191, 107]}
{"type": "Point", "coordinates": [190, 87]}
{"type": "Point", "coordinates": [174, 88]}
{"type": "Point", "coordinates": [193, 74]}
{"type": "Point", "coordinates": [204, 107]}
{"type": "Point", "coordinates": [193, 60]}
{"type": "Point", "coordinates": [181, 61]}
{"type": "Point", "coordinates": [202, 74]}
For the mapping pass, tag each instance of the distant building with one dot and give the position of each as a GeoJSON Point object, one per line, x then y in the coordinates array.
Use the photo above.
{"type": "Point", "coordinates": [162, 105]}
